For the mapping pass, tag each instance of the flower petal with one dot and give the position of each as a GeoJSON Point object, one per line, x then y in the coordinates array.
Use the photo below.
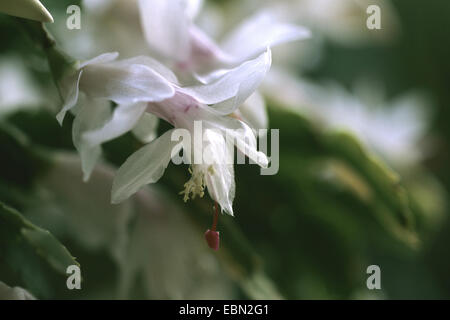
{"type": "Point", "coordinates": [146, 128]}
{"type": "Point", "coordinates": [257, 33]}
{"type": "Point", "coordinates": [219, 171]}
{"type": "Point", "coordinates": [253, 111]}
{"type": "Point", "coordinates": [124, 118]}
{"type": "Point", "coordinates": [232, 88]}
{"type": "Point", "coordinates": [124, 82]}
{"type": "Point", "coordinates": [103, 58]}
{"type": "Point", "coordinates": [90, 114]}
{"type": "Point", "coordinates": [242, 136]}
{"type": "Point", "coordinates": [193, 8]}
{"type": "Point", "coordinates": [166, 27]}
{"type": "Point", "coordinates": [145, 166]}
{"type": "Point", "coordinates": [151, 63]}
{"type": "Point", "coordinates": [70, 91]}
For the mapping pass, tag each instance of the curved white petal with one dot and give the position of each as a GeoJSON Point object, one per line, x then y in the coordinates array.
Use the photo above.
{"type": "Point", "coordinates": [146, 128]}
{"type": "Point", "coordinates": [253, 111]}
{"type": "Point", "coordinates": [70, 86]}
{"type": "Point", "coordinates": [246, 143]}
{"type": "Point", "coordinates": [70, 92]}
{"type": "Point", "coordinates": [210, 77]}
{"type": "Point", "coordinates": [145, 166]}
{"type": "Point", "coordinates": [221, 186]}
{"type": "Point", "coordinates": [125, 83]}
{"type": "Point", "coordinates": [257, 33]}
{"type": "Point", "coordinates": [166, 27]}
{"type": "Point", "coordinates": [233, 87]}
{"type": "Point", "coordinates": [218, 169]}
{"type": "Point", "coordinates": [151, 63]}
{"type": "Point", "coordinates": [193, 8]}
{"type": "Point", "coordinates": [103, 58]}
{"type": "Point", "coordinates": [90, 114]}
{"type": "Point", "coordinates": [242, 136]}
{"type": "Point", "coordinates": [124, 118]}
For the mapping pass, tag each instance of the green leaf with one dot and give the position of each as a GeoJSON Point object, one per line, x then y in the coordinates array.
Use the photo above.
{"type": "Point", "coordinates": [29, 9]}
{"type": "Point", "coordinates": [355, 168]}
{"type": "Point", "coordinates": [32, 256]}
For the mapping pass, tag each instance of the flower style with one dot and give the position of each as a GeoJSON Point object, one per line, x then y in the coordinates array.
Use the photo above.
{"type": "Point", "coordinates": [141, 86]}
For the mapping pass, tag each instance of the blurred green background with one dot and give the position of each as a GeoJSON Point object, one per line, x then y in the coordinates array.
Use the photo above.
{"type": "Point", "coordinates": [309, 232]}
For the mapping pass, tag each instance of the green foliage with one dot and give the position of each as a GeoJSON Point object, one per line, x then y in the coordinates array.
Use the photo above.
{"type": "Point", "coordinates": [32, 256]}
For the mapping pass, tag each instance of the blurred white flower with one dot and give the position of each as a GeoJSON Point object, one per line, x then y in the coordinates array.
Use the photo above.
{"type": "Point", "coordinates": [17, 88]}
{"type": "Point", "coordinates": [170, 32]}
{"type": "Point", "coordinates": [392, 129]}
{"type": "Point", "coordinates": [345, 20]}
{"type": "Point", "coordinates": [16, 293]}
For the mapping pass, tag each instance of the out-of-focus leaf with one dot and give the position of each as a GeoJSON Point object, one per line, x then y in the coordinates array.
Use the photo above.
{"type": "Point", "coordinates": [368, 177]}
{"type": "Point", "coordinates": [36, 259]}
{"type": "Point", "coordinates": [16, 293]}
{"type": "Point", "coordinates": [29, 9]}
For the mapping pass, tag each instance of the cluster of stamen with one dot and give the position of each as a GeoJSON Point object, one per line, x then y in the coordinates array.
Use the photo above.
{"type": "Point", "coordinates": [195, 186]}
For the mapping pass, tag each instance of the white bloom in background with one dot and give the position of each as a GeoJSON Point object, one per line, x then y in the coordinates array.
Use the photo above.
{"type": "Point", "coordinates": [17, 87]}
{"type": "Point", "coordinates": [343, 21]}
{"type": "Point", "coordinates": [392, 129]}
{"type": "Point", "coordinates": [170, 32]}
{"type": "Point", "coordinates": [16, 293]}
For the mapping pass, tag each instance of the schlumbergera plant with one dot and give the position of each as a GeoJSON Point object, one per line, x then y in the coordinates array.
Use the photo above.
{"type": "Point", "coordinates": [110, 97]}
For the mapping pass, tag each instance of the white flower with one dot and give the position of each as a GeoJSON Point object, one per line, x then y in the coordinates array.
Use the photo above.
{"type": "Point", "coordinates": [393, 129]}
{"type": "Point", "coordinates": [170, 32]}
{"type": "Point", "coordinates": [188, 105]}
{"type": "Point", "coordinates": [147, 165]}
{"type": "Point", "coordinates": [141, 86]}
{"type": "Point", "coordinates": [129, 83]}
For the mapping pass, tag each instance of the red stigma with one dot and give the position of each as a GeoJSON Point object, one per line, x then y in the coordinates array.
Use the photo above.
{"type": "Point", "coordinates": [212, 236]}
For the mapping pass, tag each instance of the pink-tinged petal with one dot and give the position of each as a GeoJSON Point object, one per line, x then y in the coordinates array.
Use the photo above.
{"type": "Point", "coordinates": [229, 90]}
{"type": "Point", "coordinates": [125, 83]}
